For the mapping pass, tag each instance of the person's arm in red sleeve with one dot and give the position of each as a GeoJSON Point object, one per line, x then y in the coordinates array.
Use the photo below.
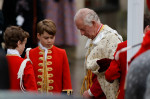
{"type": "Point", "coordinates": [113, 72]}
{"type": "Point", "coordinates": [29, 81]}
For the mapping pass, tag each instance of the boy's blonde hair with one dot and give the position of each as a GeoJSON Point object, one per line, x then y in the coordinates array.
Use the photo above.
{"type": "Point", "coordinates": [47, 26]}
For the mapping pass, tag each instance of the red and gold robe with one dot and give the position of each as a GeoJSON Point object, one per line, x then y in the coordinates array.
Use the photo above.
{"type": "Point", "coordinates": [53, 74]}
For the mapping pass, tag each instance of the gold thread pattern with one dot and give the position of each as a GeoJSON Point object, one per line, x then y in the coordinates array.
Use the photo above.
{"type": "Point", "coordinates": [50, 88]}
{"type": "Point", "coordinates": [49, 63]}
{"type": "Point", "coordinates": [41, 58]}
{"type": "Point", "coordinates": [50, 75]}
{"type": "Point", "coordinates": [41, 64]}
{"type": "Point", "coordinates": [49, 57]}
{"type": "Point", "coordinates": [49, 69]}
{"type": "Point", "coordinates": [51, 81]}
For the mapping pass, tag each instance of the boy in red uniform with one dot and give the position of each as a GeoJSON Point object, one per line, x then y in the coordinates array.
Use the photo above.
{"type": "Point", "coordinates": [49, 62]}
{"type": "Point", "coordinates": [15, 40]}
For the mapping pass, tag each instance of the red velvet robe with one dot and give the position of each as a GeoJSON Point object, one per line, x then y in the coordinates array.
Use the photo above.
{"type": "Point", "coordinates": [52, 74]}
{"type": "Point", "coordinates": [118, 69]}
{"type": "Point", "coordinates": [29, 82]}
{"type": "Point", "coordinates": [96, 88]}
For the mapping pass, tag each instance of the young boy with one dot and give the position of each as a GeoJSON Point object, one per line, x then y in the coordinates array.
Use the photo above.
{"type": "Point", "coordinates": [50, 63]}
{"type": "Point", "coordinates": [15, 40]}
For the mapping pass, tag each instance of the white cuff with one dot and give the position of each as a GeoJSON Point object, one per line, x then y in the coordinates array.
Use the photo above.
{"type": "Point", "coordinates": [90, 93]}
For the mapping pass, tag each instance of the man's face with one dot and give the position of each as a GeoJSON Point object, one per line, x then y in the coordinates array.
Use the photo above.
{"type": "Point", "coordinates": [85, 30]}
{"type": "Point", "coordinates": [46, 39]}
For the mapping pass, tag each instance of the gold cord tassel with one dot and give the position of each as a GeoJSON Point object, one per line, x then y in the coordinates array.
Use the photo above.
{"type": "Point", "coordinates": [88, 81]}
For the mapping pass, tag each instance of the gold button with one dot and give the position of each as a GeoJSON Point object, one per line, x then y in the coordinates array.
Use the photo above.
{"type": "Point", "coordinates": [39, 76]}
{"type": "Point", "coordinates": [49, 69]}
{"type": "Point", "coordinates": [50, 75]}
{"type": "Point", "coordinates": [51, 81]}
{"type": "Point", "coordinates": [51, 88]}
{"type": "Point", "coordinates": [49, 57]}
{"type": "Point", "coordinates": [39, 70]}
{"type": "Point", "coordinates": [39, 83]}
{"type": "Point", "coordinates": [49, 63]}
{"type": "Point", "coordinates": [40, 58]}
{"type": "Point", "coordinates": [40, 64]}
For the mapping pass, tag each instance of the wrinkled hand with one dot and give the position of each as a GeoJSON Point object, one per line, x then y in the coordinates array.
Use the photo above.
{"type": "Point", "coordinates": [104, 64]}
{"type": "Point", "coordinates": [86, 94]}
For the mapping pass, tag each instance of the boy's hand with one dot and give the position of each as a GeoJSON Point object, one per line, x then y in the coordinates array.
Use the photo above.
{"type": "Point", "coordinates": [104, 64]}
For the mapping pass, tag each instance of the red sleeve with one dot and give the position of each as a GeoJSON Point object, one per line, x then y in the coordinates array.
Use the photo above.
{"type": "Point", "coordinates": [113, 72]}
{"type": "Point", "coordinates": [96, 89]}
{"type": "Point", "coordinates": [29, 81]}
{"type": "Point", "coordinates": [66, 74]}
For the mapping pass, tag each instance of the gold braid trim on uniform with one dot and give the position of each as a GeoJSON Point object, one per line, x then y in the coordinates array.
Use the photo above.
{"type": "Point", "coordinates": [69, 91]}
{"type": "Point", "coordinates": [87, 82]}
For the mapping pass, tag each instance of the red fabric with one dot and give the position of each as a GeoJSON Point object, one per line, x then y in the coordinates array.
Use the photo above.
{"type": "Point", "coordinates": [144, 47]}
{"type": "Point", "coordinates": [28, 78]}
{"type": "Point", "coordinates": [60, 68]}
{"type": "Point", "coordinates": [148, 4]}
{"type": "Point", "coordinates": [96, 89]}
{"type": "Point", "coordinates": [118, 69]}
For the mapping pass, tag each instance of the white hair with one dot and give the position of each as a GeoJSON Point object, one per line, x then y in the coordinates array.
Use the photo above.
{"type": "Point", "coordinates": [87, 15]}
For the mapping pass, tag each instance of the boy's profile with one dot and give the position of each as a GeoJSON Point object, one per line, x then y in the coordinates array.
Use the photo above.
{"type": "Point", "coordinates": [20, 70]}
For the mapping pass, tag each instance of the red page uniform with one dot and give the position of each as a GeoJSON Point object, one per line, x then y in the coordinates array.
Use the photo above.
{"type": "Point", "coordinates": [51, 69]}
{"type": "Point", "coordinates": [14, 61]}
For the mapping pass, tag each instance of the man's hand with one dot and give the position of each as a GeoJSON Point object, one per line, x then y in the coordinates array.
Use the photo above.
{"type": "Point", "coordinates": [86, 94]}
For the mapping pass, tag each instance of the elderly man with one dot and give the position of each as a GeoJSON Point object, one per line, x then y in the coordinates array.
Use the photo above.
{"type": "Point", "coordinates": [101, 44]}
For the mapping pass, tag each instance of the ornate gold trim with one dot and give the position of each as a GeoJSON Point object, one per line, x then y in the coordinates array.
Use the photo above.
{"type": "Point", "coordinates": [49, 63]}
{"type": "Point", "coordinates": [41, 58]}
{"type": "Point", "coordinates": [39, 83]}
{"type": "Point", "coordinates": [39, 76]}
{"type": "Point", "coordinates": [49, 52]}
{"type": "Point", "coordinates": [50, 75]}
{"type": "Point", "coordinates": [49, 69]}
{"type": "Point", "coordinates": [41, 53]}
{"type": "Point", "coordinates": [50, 81]}
{"type": "Point", "coordinates": [69, 91]}
{"type": "Point", "coordinates": [41, 64]}
{"type": "Point", "coordinates": [50, 88]}
{"type": "Point", "coordinates": [40, 70]}
{"type": "Point", "coordinates": [49, 57]}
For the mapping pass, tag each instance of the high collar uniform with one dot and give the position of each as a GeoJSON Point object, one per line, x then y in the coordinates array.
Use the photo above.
{"type": "Point", "coordinates": [51, 70]}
